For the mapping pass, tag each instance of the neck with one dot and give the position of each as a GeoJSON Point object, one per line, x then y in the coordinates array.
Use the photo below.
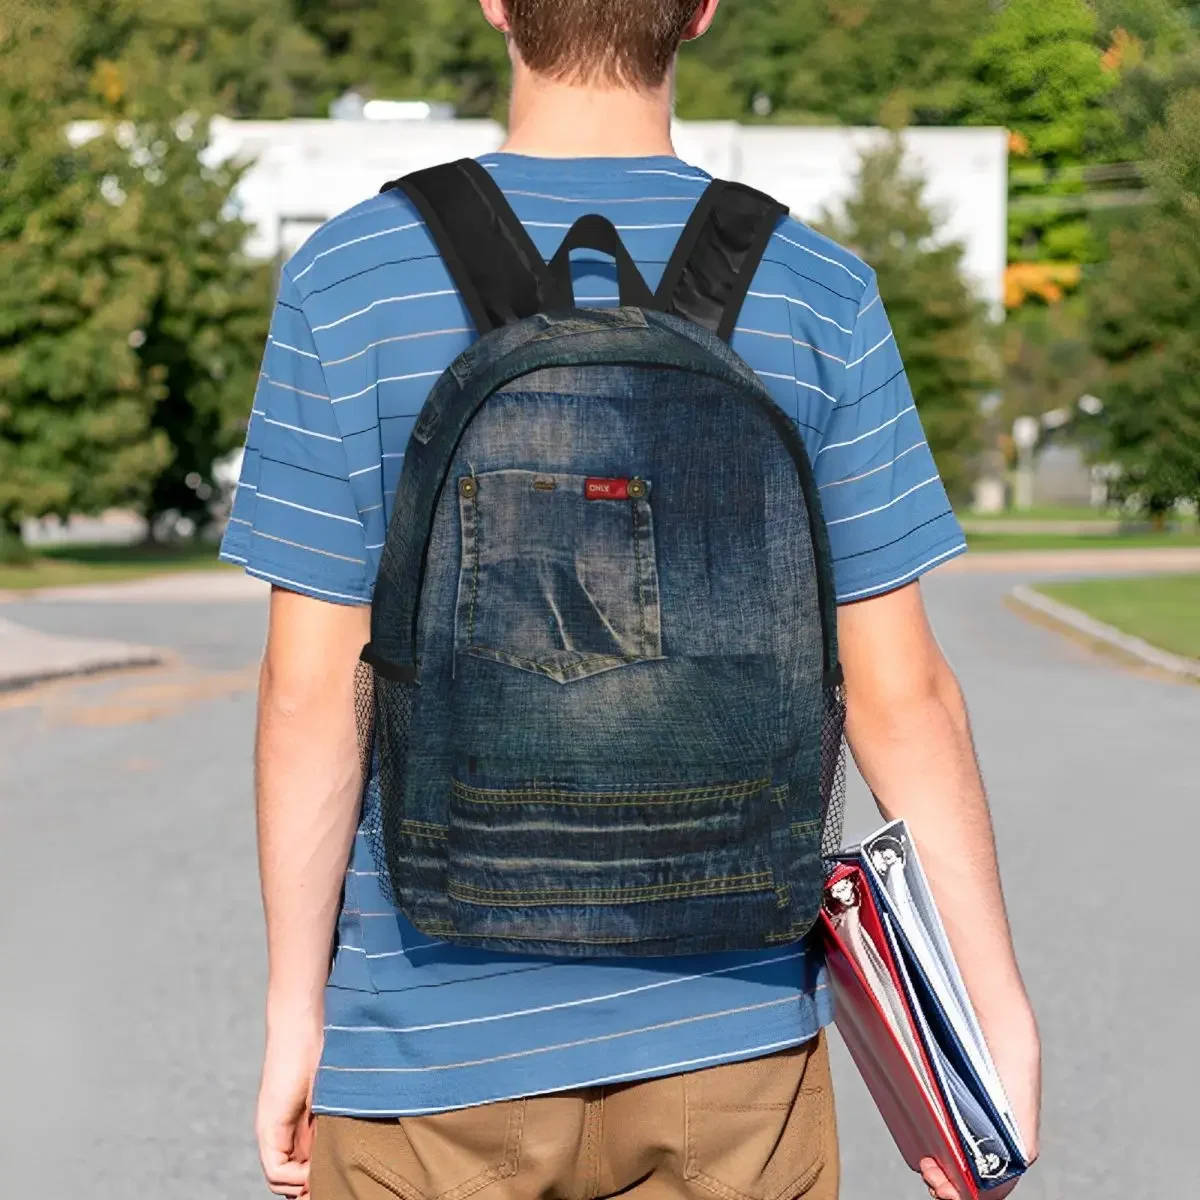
{"type": "Point", "coordinates": [550, 119]}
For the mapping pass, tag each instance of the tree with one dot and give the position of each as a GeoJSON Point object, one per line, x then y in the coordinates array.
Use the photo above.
{"type": "Point", "coordinates": [130, 321]}
{"type": "Point", "coordinates": [75, 400]}
{"type": "Point", "coordinates": [1040, 71]}
{"type": "Point", "coordinates": [203, 335]}
{"type": "Point", "coordinates": [1146, 324]}
{"type": "Point", "coordinates": [941, 328]}
{"type": "Point", "coordinates": [1158, 53]}
{"type": "Point", "coordinates": [850, 62]}
{"type": "Point", "coordinates": [419, 49]}
{"type": "Point", "coordinates": [244, 60]}
{"type": "Point", "coordinates": [846, 61]}
{"type": "Point", "coordinates": [1048, 359]}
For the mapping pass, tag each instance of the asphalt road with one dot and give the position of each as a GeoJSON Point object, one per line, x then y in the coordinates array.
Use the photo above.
{"type": "Point", "coordinates": [131, 949]}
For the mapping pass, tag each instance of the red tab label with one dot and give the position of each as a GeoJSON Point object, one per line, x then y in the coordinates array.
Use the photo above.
{"type": "Point", "coordinates": [606, 489]}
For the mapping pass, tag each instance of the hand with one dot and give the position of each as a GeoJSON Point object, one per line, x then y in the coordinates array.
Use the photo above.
{"type": "Point", "coordinates": [1016, 1052]}
{"type": "Point", "coordinates": [283, 1122]}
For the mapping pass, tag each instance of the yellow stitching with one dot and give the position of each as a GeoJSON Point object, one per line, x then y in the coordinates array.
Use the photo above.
{"type": "Point", "coordinates": [761, 880]}
{"type": "Point", "coordinates": [424, 829]}
{"type": "Point", "coordinates": [570, 941]}
{"type": "Point", "coordinates": [802, 827]}
{"type": "Point", "coordinates": [546, 669]}
{"type": "Point", "coordinates": [475, 795]}
{"type": "Point", "coordinates": [473, 501]}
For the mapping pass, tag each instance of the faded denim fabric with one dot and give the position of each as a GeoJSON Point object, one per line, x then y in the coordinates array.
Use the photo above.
{"type": "Point", "coordinates": [613, 743]}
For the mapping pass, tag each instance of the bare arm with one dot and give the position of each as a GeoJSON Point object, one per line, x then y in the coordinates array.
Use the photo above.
{"type": "Point", "coordinates": [908, 729]}
{"type": "Point", "coordinates": [308, 793]}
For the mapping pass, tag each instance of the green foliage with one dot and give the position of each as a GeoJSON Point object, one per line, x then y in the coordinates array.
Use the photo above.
{"type": "Point", "coordinates": [1146, 321]}
{"type": "Point", "coordinates": [205, 330]}
{"type": "Point", "coordinates": [75, 401]}
{"type": "Point", "coordinates": [1048, 359]}
{"type": "Point", "coordinates": [1039, 71]}
{"type": "Point", "coordinates": [420, 49]}
{"type": "Point", "coordinates": [852, 62]}
{"type": "Point", "coordinates": [245, 60]}
{"type": "Point", "coordinates": [130, 324]}
{"type": "Point", "coordinates": [941, 328]}
{"type": "Point", "coordinates": [1162, 63]}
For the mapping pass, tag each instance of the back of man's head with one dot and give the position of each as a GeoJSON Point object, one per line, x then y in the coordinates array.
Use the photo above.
{"type": "Point", "coordinates": [622, 43]}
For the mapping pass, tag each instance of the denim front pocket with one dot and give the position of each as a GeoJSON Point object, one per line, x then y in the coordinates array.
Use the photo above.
{"type": "Point", "coordinates": [558, 573]}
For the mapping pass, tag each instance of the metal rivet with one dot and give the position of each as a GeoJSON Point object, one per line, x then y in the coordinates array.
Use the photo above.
{"type": "Point", "coordinates": [637, 488]}
{"type": "Point", "coordinates": [467, 487]}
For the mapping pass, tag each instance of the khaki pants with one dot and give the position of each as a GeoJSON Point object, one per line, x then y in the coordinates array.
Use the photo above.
{"type": "Point", "coordinates": [759, 1130]}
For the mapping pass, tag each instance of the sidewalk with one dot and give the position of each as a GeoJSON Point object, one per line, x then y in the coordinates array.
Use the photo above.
{"type": "Point", "coordinates": [1148, 560]}
{"type": "Point", "coordinates": [28, 656]}
{"type": "Point", "coordinates": [180, 587]}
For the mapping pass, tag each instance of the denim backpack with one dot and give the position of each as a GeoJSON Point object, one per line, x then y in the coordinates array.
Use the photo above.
{"type": "Point", "coordinates": [601, 707]}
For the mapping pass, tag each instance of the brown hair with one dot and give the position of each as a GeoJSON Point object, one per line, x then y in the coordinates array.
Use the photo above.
{"type": "Point", "coordinates": [629, 42]}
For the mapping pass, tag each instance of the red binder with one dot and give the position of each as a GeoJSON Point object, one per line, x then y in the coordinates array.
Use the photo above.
{"type": "Point", "coordinates": [915, 1113]}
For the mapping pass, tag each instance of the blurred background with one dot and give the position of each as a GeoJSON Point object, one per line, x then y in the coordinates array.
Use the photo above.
{"type": "Point", "coordinates": [1023, 175]}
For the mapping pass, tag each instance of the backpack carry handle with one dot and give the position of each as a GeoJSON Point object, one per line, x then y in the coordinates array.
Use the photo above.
{"type": "Point", "coordinates": [595, 232]}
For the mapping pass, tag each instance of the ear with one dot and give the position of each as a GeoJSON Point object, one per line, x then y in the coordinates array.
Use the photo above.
{"type": "Point", "coordinates": [496, 14]}
{"type": "Point", "coordinates": [698, 26]}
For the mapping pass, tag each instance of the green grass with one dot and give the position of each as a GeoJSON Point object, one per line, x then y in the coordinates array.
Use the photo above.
{"type": "Point", "coordinates": [61, 566]}
{"type": "Point", "coordinates": [1079, 541]}
{"type": "Point", "coordinates": [1045, 514]}
{"type": "Point", "coordinates": [1163, 610]}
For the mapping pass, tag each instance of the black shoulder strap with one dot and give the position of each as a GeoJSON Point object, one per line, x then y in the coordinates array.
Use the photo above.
{"type": "Point", "coordinates": [491, 258]}
{"type": "Point", "coordinates": [712, 267]}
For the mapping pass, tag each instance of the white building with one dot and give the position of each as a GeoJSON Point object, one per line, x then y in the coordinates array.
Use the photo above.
{"type": "Point", "coordinates": [306, 171]}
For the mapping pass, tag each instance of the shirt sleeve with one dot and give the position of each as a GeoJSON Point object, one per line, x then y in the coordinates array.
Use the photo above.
{"type": "Point", "coordinates": [887, 512]}
{"type": "Point", "coordinates": [294, 521]}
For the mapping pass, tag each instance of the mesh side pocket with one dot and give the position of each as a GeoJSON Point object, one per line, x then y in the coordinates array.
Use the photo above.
{"type": "Point", "coordinates": [364, 715]}
{"type": "Point", "coordinates": [833, 770]}
{"type": "Point", "coordinates": [385, 710]}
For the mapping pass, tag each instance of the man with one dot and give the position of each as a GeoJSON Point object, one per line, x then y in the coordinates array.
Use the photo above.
{"type": "Point", "coordinates": [428, 1070]}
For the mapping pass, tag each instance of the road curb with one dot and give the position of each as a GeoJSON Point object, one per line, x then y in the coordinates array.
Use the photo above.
{"type": "Point", "coordinates": [1079, 622]}
{"type": "Point", "coordinates": [1134, 560]}
{"type": "Point", "coordinates": [170, 587]}
{"type": "Point", "coordinates": [29, 657]}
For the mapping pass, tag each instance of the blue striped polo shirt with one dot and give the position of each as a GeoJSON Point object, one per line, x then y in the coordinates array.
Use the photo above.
{"type": "Point", "coordinates": [367, 319]}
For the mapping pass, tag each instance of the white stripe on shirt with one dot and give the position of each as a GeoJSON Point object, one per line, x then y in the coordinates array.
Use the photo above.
{"type": "Point", "coordinates": [400, 337]}
{"type": "Point", "coordinates": [287, 387]}
{"type": "Point", "coordinates": [385, 379]}
{"type": "Point", "coordinates": [869, 433]}
{"type": "Point", "coordinates": [877, 588]}
{"type": "Point", "coordinates": [325, 437]}
{"type": "Point", "coordinates": [311, 549]}
{"type": "Point", "coordinates": [812, 387]}
{"type": "Point", "coordinates": [823, 257]}
{"type": "Point", "coordinates": [316, 512]}
{"type": "Point", "coordinates": [671, 1068]}
{"type": "Point", "coordinates": [545, 1008]}
{"type": "Point", "coordinates": [302, 587]}
{"type": "Point", "coordinates": [572, 1045]}
{"type": "Point", "coordinates": [874, 470]}
{"type": "Point", "coordinates": [870, 512]}
{"type": "Point", "coordinates": [294, 349]}
{"type": "Point", "coordinates": [801, 304]}
{"type": "Point", "coordinates": [872, 350]}
{"type": "Point", "coordinates": [787, 337]}
{"type": "Point", "coordinates": [362, 312]}
{"type": "Point", "coordinates": [367, 237]}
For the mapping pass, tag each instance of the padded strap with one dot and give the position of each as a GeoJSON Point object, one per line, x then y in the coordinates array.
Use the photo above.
{"type": "Point", "coordinates": [598, 233]}
{"type": "Point", "coordinates": [491, 258]}
{"type": "Point", "coordinates": [714, 263]}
